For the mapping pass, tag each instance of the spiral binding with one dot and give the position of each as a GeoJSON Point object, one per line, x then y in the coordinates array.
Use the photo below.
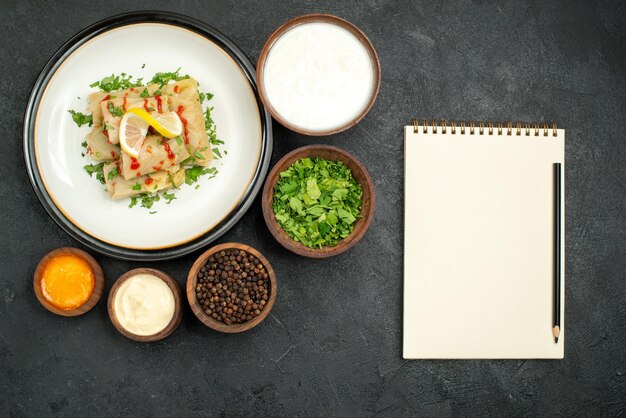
{"type": "Point", "coordinates": [502, 128]}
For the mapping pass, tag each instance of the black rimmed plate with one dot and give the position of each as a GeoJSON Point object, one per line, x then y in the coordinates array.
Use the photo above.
{"type": "Point", "coordinates": [141, 44]}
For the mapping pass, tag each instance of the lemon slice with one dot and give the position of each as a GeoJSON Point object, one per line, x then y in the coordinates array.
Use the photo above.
{"type": "Point", "coordinates": [167, 124]}
{"type": "Point", "coordinates": [133, 131]}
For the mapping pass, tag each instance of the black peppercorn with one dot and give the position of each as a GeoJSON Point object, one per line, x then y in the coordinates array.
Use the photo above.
{"type": "Point", "coordinates": [233, 287]}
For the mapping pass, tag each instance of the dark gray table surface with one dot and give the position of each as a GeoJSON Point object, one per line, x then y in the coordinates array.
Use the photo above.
{"type": "Point", "coordinates": [332, 344]}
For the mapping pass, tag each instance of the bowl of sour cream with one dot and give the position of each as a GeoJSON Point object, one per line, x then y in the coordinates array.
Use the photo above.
{"type": "Point", "coordinates": [145, 305]}
{"type": "Point", "coordinates": [318, 74]}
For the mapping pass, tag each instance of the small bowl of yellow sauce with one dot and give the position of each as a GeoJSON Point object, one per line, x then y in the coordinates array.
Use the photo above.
{"type": "Point", "coordinates": [68, 282]}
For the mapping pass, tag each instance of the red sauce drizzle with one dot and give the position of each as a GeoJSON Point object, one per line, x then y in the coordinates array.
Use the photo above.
{"type": "Point", "coordinates": [159, 104]}
{"type": "Point", "coordinates": [176, 88]}
{"type": "Point", "coordinates": [107, 97]}
{"type": "Point", "coordinates": [161, 162]}
{"type": "Point", "coordinates": [134, 164]}
{"type": "Point", "coordinates": [149, 181]}
{"type": "Point", "coordinates": [179, 112]}
{"type": "Point", "coordinates": [170, 154]}
{"type": "Point", "coordinates": [113, 154]}
{"type": "Point", "coordinates": [132, 89]}
{"type": "Point", "coordinates": [156, 167]}
{"type": "Point", "coordinates": [145, 105]}
{"type": "Point", "coordinates": [124, 104]}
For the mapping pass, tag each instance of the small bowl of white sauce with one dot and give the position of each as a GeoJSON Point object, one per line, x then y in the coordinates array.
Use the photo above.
{"type": "Point", "coordinates": [318, 74]}
{"type": "Point", "coordinates": [145, 305]}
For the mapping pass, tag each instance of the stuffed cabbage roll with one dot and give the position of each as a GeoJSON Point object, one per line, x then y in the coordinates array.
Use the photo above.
{"type": "Point", "coordinates": [157, 153]}
{"type": "Point", "coordinates": [119, 188]}
{"type": "Point", "coordinates": [113, 110]}
{"type": "Point", "coordinates": [99, 148]}
{"type": "Point", "coordinates": [184, 100]}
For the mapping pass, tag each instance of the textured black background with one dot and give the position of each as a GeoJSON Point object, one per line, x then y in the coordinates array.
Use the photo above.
{"type": "Point", "coordinates": [332, 344]}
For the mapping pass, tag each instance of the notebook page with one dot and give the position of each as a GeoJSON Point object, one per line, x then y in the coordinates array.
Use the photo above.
{"type": "Point", "coordinates": [478, 248]}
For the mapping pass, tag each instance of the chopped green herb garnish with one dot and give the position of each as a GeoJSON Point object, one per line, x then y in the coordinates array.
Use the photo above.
{"type": "Point", "coordinates": [197, 186]}
{"type": "Point", "coordinates": [157, 92]}
{"type": "Point", "coordinates": [96, 169]}
{"type": "Point", "coordinates": [143, 66]}
{"type": "Point", "coordinates": [144, 93]}
{"type": "Point", "coordinates": [171, 179]}
{"type": "Point", "coordinates": [84, 144]}
{"type": "Point", "coordinates": [194, 173]}
{"type": "Point", "coordinates": [147, 199]}
{"type": "Point", "coordinates": [163, 78]}
{"type": "Point", "coordinates": [133, 201]}
{"type": "Point", "coordinates": [81, 119]}
{"type": "Point", "coordinates": [136, 186]}
{"type": "Point", "coordinates": [153, 212]}
{"type": "Point", "coordinates": [197, 155]}
{"type": "Point", "coordinates": [168, 197]}
{"type": "Point", "coordinates": [179, 140]}
{"type": "Point", "coordinates": [113, 173]}
{"type": "Point", "coordinates": [114, 82]}
{"type": "Point", "coordinates": [82, 154]}
{"type": "Point", "coordinates": [216, 153]}
{"type": "Point", "coordinates": [115, 111]}
{"type": "Point", "coordinates": [317, 201]}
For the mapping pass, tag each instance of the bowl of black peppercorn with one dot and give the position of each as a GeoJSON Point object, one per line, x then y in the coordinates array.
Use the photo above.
{"type": "Point", "coordinates": [231, 288]}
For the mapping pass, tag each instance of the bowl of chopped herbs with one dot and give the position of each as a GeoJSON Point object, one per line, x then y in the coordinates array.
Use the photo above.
{"type": "Point", "coordinates": [318, 201]}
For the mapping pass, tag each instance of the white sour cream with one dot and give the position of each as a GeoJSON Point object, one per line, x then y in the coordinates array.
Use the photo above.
{"type": "Point", "coordinates": [144, 304]}
{"type": "Point", "coordinates": [318, 76]}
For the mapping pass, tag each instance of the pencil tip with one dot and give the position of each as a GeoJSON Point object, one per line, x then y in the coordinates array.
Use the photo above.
{"type": "Point", "coordinates": [556, 340]}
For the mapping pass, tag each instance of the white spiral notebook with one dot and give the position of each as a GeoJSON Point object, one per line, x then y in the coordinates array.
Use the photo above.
{"type": "Point", "coordinates": [479, 241]}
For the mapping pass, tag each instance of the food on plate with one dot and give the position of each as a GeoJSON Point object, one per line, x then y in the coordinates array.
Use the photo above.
{"type": "Point", "coordinates": [317, 201]}
{"type": "Point", "coordinates": [149, 137]}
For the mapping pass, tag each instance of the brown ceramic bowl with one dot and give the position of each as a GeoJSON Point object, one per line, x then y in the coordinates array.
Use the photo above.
{"type": "Point", "coordinates": [359, 173]}
{"type": "Point", "coordinates": [178, 311]}
{"type": "Point", "coordinates": [97, 290]}
{"type": "Point", "coordinates": [195, 306]}
{"type": "Point", "coordinates": [323, 18]}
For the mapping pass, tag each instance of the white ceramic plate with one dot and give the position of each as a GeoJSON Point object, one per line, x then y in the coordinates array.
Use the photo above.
{"type": "Point", "coordinates": [162, 42]}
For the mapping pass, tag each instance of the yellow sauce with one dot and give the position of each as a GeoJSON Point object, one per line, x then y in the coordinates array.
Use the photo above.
{"type": "Point", "coordinates": [67, 281]}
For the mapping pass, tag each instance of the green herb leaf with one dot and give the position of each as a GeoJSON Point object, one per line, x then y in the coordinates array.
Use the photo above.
{"type": "Point", "coordinates": [144, 93]}
{"type": "Point", "coordinates": [163, 78]}
{"type": "Point", "coordinates": [133, 201]}
{"type": "Point", "coordinates": [115, 111]}
{"type": "Point", "coordinates": [81, 119]}
{"type": "Point", "coordinates": [96, 169]}
{"type": "Point", "coordinates": [114, 82]}
{"type": "Point", "coordinates": [168, 197]}
{"type": "Point", "coordinates": [136, 186]}
{"type": "Point", "coordinates": [84, 144]}
{"type": "Point", "coordinates": [193, 174]}
{"type": "Point", "coordinates": [147, 199]}
{"type": "Point", "coordinates": [317, 201]}
{"type": "Point", "coordinates": [113, 173]}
